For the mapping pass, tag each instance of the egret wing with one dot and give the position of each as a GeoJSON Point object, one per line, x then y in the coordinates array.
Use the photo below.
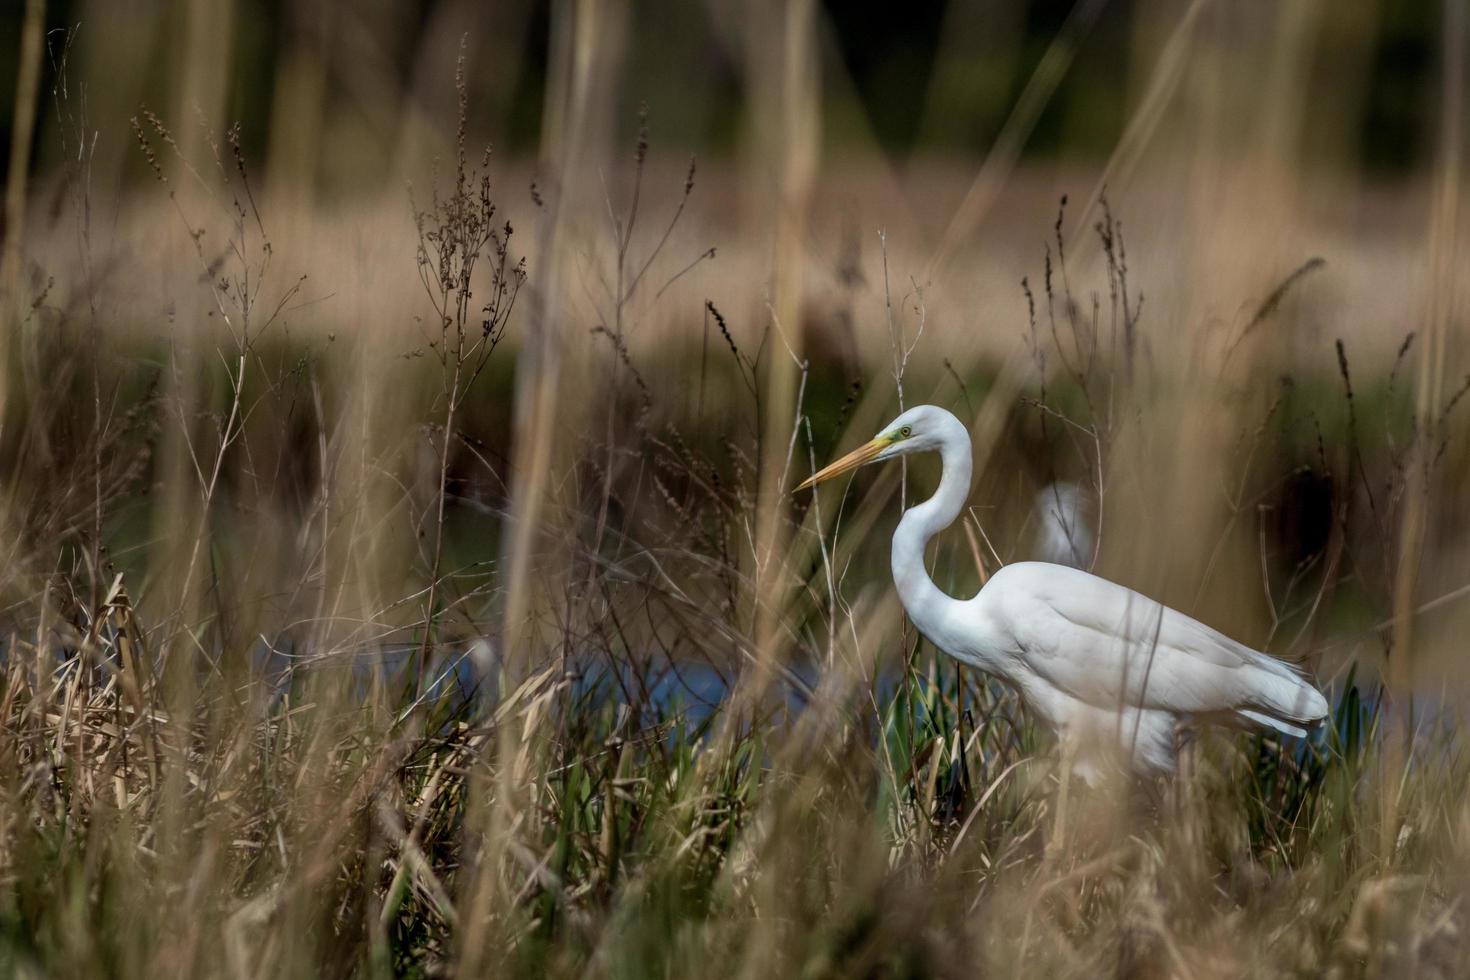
{"type": "Point", "coordinates": [1110, 646]}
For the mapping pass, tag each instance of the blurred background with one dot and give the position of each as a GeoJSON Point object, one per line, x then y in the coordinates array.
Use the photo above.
{"type": "Point", "coordinates": [328, 92]}
{"type": "Point", "coordinates": [399, 566]}
{"type": "Point", "coordinates": [1285, 177]}
{"type": "Point", "coordinates": [1310, 128]}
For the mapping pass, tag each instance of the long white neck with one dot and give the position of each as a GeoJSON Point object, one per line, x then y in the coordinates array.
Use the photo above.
{"type": "Point", "coordinates": [921, 598]}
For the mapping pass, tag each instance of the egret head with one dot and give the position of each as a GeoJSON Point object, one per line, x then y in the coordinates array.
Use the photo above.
{"type": "Point", "coordinates": [921, 429]}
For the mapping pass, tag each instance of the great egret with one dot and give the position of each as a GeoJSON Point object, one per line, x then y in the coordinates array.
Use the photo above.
{"type": "Point", "coordinates": [1112, 672]}
{"type": "Point", "coordinates": [1063, 527]}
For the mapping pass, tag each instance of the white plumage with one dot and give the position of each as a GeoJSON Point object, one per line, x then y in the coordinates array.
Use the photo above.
{"type": "Point", "coordinates": [1063, 526]}
{"type": "Point", "coordinates": [1114, 673]}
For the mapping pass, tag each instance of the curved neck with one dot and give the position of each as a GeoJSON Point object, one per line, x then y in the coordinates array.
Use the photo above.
{"type": "Point", "coordinates": [922, 599]}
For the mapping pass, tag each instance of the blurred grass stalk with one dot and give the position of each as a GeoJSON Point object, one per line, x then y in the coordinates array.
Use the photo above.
{"type": "Point", "coordinates": [783, 72]}
{"type": "Point", "coordinates": [296, 812]}
{"type": "Point", "coordinates": [1440, 318]}
{"type": "Point", "coordinates": [582, 86]}
{"type": "Point", "coordinates": [22, 131]}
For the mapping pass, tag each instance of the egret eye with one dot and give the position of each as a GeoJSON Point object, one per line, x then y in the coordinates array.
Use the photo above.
{"type": "Point", "coordinates": [906, 431]}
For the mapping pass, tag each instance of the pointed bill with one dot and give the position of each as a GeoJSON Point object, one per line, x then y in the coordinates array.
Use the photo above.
{"type": "Point", "coordinates": [854, 459]}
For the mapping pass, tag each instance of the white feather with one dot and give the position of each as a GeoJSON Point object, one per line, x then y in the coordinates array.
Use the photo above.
{"type": "Point", "coordinates": [1110, 670]}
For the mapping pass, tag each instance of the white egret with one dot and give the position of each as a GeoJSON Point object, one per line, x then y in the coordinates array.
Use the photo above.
{"type": "Point", "coordinates": [1113, 673]}
{"type": "Point", "coordinates": [1063, 526]}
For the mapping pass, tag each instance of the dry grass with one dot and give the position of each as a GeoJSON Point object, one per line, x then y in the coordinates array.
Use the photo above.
{"type": "Point", "coordinates": [380, 598]}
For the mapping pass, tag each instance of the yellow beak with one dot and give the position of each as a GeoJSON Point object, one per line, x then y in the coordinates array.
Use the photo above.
{"type": "Point", "coordinates": [854, 459]}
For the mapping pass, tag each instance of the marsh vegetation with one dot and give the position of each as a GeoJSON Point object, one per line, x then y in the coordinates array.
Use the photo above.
{"type": "Point", "coordinates": [407, 581]}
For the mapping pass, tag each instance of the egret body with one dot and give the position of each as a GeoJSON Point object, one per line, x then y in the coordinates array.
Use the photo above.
{"type": "Point", "coordinates": [1113, 673]}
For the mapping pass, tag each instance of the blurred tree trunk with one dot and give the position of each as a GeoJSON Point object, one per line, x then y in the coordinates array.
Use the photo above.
{"type": "Point", "coordinates": [974, 70]}
{"type": "Point", "coordinates": [118, 54]}
{"type": "Point", "coordinates": [202, 67]}
{"type": "Point", "coordinates": [495, 37]}
{"type": "Point", "coordinates": [297, 108]}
